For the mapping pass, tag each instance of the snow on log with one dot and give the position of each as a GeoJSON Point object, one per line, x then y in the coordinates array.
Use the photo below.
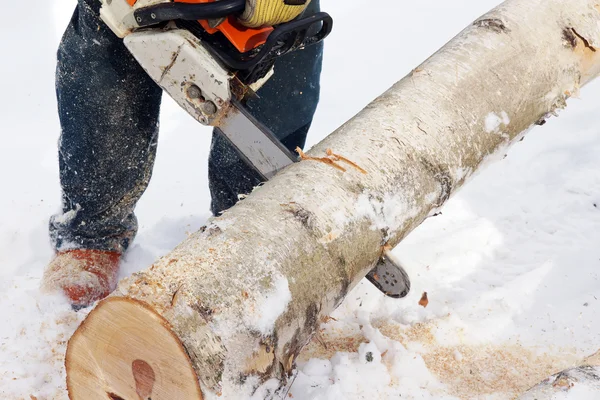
{"type": "Point", "coordinates": [228, 311]}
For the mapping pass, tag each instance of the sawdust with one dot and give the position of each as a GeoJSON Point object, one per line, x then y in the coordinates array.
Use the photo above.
{"type": "Point", "coordinates": [467, 371]}
{"type": "Point", "coordinates": [593, 360]}
{"type": "Point", "coordinates": [511, 369]}
{"type": "Point", "coordinates": [325, 345]}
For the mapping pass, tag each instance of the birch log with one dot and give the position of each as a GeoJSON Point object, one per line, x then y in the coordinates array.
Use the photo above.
{"type": "Point", "coordinates": [230, 308]}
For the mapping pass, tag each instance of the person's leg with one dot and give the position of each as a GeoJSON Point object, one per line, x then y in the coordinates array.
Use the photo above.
{"type": "Point", "coordinates": [286, 105]}
{"type": "Point", "coordinates": [109, 109]}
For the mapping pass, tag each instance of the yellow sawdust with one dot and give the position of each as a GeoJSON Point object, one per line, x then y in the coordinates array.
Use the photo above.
{"type": "Point", "coordinates": [468, 371]}
{"type": "Point", "coordinates": [594, 359]}
{"type": "Point", "coordinates": [325, 345]}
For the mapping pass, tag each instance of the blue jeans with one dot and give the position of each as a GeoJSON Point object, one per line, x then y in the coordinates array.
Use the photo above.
{"type": "Point", "coordinates": [109, 110]}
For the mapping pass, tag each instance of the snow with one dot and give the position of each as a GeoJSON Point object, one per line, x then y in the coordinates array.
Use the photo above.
{"type": "Point", "coordinates": [386, 214]}
{"type": "Point", "coordinates": [510, 266]}
{"type": "Point", "coordinates": [493, 121]}
{"type": "Point", "coordinates": [262, 316]}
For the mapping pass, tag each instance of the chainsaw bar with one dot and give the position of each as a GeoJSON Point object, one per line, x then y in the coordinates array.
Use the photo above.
{"type": "Point", "coordinates": [254, 142]}
{"type": "Point", "coordinates": [390, 277]}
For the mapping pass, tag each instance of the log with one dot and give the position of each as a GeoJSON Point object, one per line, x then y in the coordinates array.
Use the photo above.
{"type": "Point", "coordinates": [228, 311]}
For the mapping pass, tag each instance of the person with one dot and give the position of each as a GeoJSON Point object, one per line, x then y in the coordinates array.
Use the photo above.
{"type": "Point", "coordinates": [109, 114]}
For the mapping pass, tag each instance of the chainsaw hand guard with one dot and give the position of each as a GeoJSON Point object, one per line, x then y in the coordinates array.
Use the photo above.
{"type": "Point", "coordinates": [255, 64]}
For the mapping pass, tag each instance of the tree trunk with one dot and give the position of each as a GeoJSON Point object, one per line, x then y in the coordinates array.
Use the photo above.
{"type": "Point", "coordinates": [235, 303]}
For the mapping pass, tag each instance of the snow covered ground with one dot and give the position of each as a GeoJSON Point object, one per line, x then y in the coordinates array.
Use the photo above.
{"type": "Point", "coordinates": [510, 267]}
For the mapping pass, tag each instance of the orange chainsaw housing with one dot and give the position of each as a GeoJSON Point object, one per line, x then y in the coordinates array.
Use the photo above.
{"type": "Point", "coordinates": [244, 39]}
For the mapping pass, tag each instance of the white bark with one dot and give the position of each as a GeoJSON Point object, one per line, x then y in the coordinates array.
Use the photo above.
{"type": "Point", "coordinates": [245, 294]}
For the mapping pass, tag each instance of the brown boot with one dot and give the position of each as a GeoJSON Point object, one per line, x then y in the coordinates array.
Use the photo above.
{"type": "Point", "coordinates": [84, 276]}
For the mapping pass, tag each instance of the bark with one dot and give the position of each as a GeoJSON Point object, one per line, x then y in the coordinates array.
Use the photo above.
{"type": "Point", "coordinates": [245, 294]}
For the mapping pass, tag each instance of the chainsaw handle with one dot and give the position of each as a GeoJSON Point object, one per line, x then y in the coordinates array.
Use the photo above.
{"type": "Point", "coordinates": [163, 12]}
{"type": "Point", "coordinates": [284, 39]}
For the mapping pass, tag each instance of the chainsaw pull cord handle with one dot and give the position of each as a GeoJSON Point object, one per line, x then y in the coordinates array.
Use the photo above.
{"type": "Point", "coordinates": [164, 12]}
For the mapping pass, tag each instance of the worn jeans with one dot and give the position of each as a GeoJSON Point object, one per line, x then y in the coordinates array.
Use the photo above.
{"type": "Point", "coordinates": [109, 111]}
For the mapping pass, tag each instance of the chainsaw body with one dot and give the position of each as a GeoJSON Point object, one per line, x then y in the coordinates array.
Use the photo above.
{"type": "Point", "coordinates": [209, 63]}
{"type": "Point", "coordinates": [204, 64]}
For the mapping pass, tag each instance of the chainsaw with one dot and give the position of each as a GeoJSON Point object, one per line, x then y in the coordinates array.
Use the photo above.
{"type": "Point", "coordinates": [210, 64]}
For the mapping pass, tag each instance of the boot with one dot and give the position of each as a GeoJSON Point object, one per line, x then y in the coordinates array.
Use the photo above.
{"type": "Point", "coordinates": [84, 276]}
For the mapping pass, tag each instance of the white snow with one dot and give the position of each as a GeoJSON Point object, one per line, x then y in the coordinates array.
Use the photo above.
{"type": "Point", "coordinates": [69, 215]}
{"type": "Point", "coordinates": [263, 312]}
{"type": "Point", "coordinates": [511, 266]}
{"type": "Point", "coordinates": [493, 121]}
{"type": "Point", "coordinates": [387, 213]}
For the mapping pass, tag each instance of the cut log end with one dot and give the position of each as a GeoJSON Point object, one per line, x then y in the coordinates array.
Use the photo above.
{"type": "Point", "coordinates": [126, 351]}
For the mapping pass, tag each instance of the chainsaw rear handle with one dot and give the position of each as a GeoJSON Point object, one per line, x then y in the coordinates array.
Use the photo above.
{"type": "Point", "coordinates": [284, 39]}
{"type": "Point", "coordinates": [164, 12]}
